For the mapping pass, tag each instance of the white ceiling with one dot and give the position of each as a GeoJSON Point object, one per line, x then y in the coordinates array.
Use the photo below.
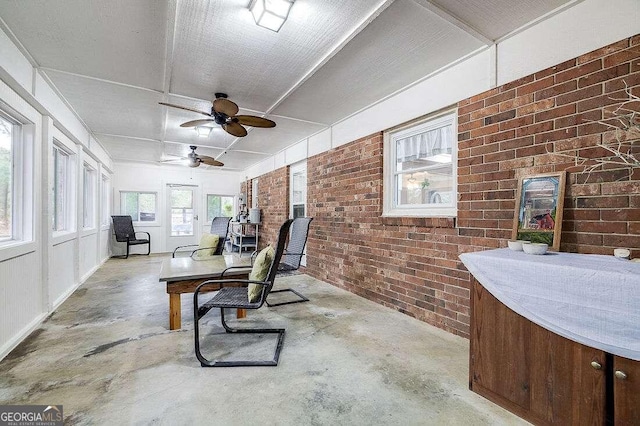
{"type": "Point", "coordinates": [114, 60]}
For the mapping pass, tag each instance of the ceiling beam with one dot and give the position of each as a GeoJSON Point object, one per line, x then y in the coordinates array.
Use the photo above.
{"type": "Point", "coordinates": [172, 10]}
{"type": "Point", "coordinates": [453, 19]}
{"type": "Point", "coordinates": [375, 12]}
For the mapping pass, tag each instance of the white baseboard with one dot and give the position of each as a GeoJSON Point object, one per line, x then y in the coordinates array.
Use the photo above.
{"type": "Point", "coordinates": [21, 335]}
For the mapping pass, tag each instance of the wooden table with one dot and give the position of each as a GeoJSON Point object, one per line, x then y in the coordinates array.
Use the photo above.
{"type": "Point", "coordinates": [184, 274]}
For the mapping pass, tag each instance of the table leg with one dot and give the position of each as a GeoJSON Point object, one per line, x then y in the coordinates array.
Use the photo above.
{"type": "Point", "coordinates": [242, 313]}
{"type": "Point", "coordinates": [175, 310]}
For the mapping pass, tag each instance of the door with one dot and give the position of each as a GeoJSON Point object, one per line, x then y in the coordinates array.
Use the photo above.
{"type": "Point", "coordinates": [298, 196]}
{"type": "Point", "coordinates": [182, 223]}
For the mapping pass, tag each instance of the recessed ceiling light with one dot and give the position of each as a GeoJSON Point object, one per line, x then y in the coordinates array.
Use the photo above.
{"type": "Point", "coordinates": [271, 14]}
{"type": "Point", "coordinates": [203, 131]}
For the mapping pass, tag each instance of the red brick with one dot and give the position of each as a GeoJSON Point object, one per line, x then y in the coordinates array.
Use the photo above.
{"type": "Point", "coordinates": [516, 122]}
{"type": "Point", "coordinates": [485, 112]}
{"type": "Point", "coordinates": [534, 129]}
{"type": "Point", "coordinates": [485, 95]}
{"type": "Point", "coordinates": [566, 133]}
{"type": "Point", "coordinates": [604, 75]}
{"type": "Point", "coordinates": [501, 97]}
{"type": "Point", "coordinates": [483, 131]}
{"type": "Point", "coordinates": [535, 107]}
{"type": "Point", "coordinates": [579, 71]}
{"type": "Point", "coordinates": [517, 143]}
{"type": "Point", "coordinates": [556, 90]}
{"type": "Point", "coordinates": [516, 102]}
{"type": "Point", "coordinates": [623, 82]}
{"type": "Point", "coordinates": [588, 92]}
{"type": "Point", "coordinates": [599, 53]}
{"type": "Point", "coordinates": [471, 107]}
{"type": "Point", "coordinates": [535, 86]}
{"type": "Point", "coordinates": [516, 83]}
{"type": "Point", "coordinates": [621, 56]}
{"type": "Point", "coordinates": [550, 114]}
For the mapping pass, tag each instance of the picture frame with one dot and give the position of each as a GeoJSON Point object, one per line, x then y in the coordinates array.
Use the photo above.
{"type": "Point", "coordinates": [539, 208]}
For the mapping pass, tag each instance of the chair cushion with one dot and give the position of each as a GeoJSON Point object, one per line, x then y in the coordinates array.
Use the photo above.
{"type": "Point", "coordinates": [259, 272]}
{"type": "Point", "coordinates": [209, 241]}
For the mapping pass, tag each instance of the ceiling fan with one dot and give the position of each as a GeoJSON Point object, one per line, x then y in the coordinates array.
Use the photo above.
{"type": "Point", "coordinates": [195, 160]}
{"type": "Point", "coordinates": [223, 112]}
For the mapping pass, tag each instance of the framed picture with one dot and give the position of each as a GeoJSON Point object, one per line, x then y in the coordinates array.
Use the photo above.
{"type": "Point", "coordinates": [539, 203]}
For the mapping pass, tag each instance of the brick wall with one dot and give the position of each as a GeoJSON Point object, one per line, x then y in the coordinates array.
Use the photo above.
{"type": "Point", "coordinates": [273, 202]}
{"type": "Point", "coordinates": [411, 264]}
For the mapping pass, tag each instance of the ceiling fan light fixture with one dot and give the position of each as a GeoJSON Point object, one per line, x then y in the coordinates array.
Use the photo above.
{"type": "Point", "coordinates": [271, 14]}
{"type": "Point", "coordinates": [203, 131]}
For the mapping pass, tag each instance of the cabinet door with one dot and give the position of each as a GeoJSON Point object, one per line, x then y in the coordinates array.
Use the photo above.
{"type": "Point", "coordinates": [531, 371]}
{"type": "Point", "coordinates": [626, 391]}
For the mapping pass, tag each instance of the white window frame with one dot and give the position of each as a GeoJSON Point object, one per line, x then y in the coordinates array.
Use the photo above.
{"type": "Point", "coordinates": [88, 197]}
{"type": "Point", "coordinates": [254, 193]}
{"type": "Point", "coordinates": [105, 206]}
{"type": "Point", "coordinates": [206, 206]}
{"type": "Point", "coordinates": [141, 222]}
{"type": "Point", "coordinates": [22, 183]}
{"type": "Point", "coordinates": [391, 208]}
{"type": "Point", "coordinates": [293, 170]}
{"type": "Point", "coordinates": [69, 189]}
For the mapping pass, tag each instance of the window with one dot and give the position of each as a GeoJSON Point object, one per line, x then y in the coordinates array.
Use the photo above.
{"type": "Point", "coordinates": [219, 205]}
{"type": "Point", "coordinates": [106, 189]}
{"type": "Point", "coordinates": [420, 172]}
{"type": "Point", "coordinates": [298, 177]}
{"type": "Point", "coordinates": [63, 192]}
{"type": "Point", "coordinates": [141, 206]}
{"type": "Point", "coordinates": [89, 187]}
{"type": "Point", "coordinates": [254, 193]}
{"type": "Point", "coordinates": [6, 179]}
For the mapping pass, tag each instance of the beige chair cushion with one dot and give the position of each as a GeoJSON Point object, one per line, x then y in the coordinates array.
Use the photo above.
{"type": "Point", "coordinates": [207, 241]}
{"type": "Point", "coordinates": [259, 272]}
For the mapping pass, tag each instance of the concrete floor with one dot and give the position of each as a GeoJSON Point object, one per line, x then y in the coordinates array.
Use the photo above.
{"type": "Point", "coordinates": [107, 355]}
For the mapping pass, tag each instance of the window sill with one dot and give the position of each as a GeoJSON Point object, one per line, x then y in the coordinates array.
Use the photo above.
{"type": "Point", "coordinates": [146, 224]}
{"type": "Point", "coordinates": [62, 237]}
{"type": "Point", "coordinates": [11, 249]}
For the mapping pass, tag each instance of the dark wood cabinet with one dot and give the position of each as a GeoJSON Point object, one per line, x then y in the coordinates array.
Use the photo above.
{"type": "Point", "coordinates": [543, 377]}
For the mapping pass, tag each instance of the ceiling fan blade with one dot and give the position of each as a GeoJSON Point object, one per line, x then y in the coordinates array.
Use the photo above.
{"type": "Point", "coordinates": [195, 123]}
{"type": "Point", "coordinates": [235, 129]}
{"type": "Point", "coordinates": [225, 106]}
{"type": "Point", "coordinates": [210, 161]}
{"type": "Point", "coordinates": [185, 108]}
{"type": "Point", "coordinates": [253, 121]}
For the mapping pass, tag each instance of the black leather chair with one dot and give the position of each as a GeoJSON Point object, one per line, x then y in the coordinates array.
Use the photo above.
{"type": "Point", "coordinates": [123, 229]}
{"type": "Point", "coordinates": [230, 296]}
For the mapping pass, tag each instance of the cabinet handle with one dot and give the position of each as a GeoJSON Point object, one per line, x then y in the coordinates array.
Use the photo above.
{"type": "Point", "coordinates": [620, 375]}
{"type": "Point", "coordinates": [596, 365]}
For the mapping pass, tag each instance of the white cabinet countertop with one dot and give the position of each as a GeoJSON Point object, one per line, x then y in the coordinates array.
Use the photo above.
{"type": "Point", "coordinates": [591, 299]}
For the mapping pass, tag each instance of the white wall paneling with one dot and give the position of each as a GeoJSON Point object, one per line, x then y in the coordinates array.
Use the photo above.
{"type": "Point", "coordinates": [62, 274]}
{"type": "Point", "coordinates": [41, 272]}
{"type": "Point", "coordinates": [154, 178]}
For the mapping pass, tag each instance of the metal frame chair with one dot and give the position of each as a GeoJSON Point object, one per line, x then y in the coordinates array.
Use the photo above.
{"type": "Point", "coordinates": [220, 227]}
{"type": "Point", "coordinates": [293, 256]}
{"type": "Point", "coordinates": [236, 298]}
{"type": "Point", "coordinates": [123, 229]}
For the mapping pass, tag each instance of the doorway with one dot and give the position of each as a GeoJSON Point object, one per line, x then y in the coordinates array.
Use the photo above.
{"type": "Point", "coordinates": [182, 223]}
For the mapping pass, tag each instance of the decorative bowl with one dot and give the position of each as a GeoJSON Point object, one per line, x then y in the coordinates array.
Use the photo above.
{"type": "Point", "coordinates": [535, 248]}
{"type": "Point", "coordinates": [516, 245]}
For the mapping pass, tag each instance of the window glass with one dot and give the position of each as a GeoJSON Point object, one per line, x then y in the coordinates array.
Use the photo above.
{"type": "Point", "coordinates": [61, 190]}
{"type": "Point", "coordinates": [6, 179]}
{"type": "Point", "coordinates": [182, 212]}
{"type": "Point", "coordinates": [104, 220]}
{"type": "Point", "coordinates": [298, 183]}
{"type": "Point", "coordinates": [421, 180]}
{"type": "Point", "coordinates": [219, 205]}
{"type": "Point", "coordinates": [88, 196]}
{"type": "Point", "coordinates": [141, 206]}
